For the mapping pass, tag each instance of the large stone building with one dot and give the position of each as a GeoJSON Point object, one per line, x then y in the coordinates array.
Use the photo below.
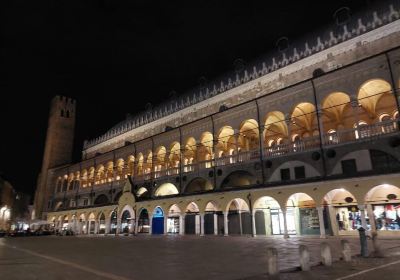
{"type": "Point", "coordinates": [6, 204]}
{"type": "Point", "coordinates": [304, 142]}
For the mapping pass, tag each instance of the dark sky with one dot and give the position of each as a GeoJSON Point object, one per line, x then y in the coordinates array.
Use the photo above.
{"type": "Point", "coordinates": [116, 56]}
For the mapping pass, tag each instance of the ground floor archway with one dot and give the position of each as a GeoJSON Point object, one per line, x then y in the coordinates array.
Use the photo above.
{"type": "Point", "coordinates": [158, 221]}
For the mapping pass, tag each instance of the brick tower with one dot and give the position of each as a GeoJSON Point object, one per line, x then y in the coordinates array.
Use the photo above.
{"type": "Point", "coordinates": [58, 148]}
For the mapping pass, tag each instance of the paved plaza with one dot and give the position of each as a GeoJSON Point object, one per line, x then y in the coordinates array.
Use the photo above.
{"type": "Point", "coordinates": [157, 257]}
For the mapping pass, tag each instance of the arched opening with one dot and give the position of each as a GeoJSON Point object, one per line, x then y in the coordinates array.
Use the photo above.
{"type": "Point", "coordinates": [239, 219]}
{"type": "Point", "coordinates": [336, 113]}
{"type": "Point", "coordinates": [77, 180]}
{"type": "Point", "coordinates": [383, 162]}
{"type": "Point", "coordinates": [102, 223]}
{"type": "Point", "coordinates": [238, 178]}
{"type": "Point", "coordinates": [109, 176]}
{"type": "Point", "coordinates": [158, 221]}
{"type": "Point", "coordinates": [205, 150]}
{"type": "Point", "coordinates": [174, 159]}
{"type": "Point", "coordinates": [304, 124]}
{"type": "Point", "coordinates": [344, 213]}
{"type": "Point", "coordinates": [173, 222]}
{"type": "Point", "coordinates": [142, 192]}
{"type": "Point", "coordinates": [92, 223]}
{"type": "Point", "coordinates": [192, 219]}
{"type": "Point", "coordinates": [275, 133]}
{"type": "Point", "coordinates": [302, 215]}
{"type": "Point", "coordinates": [131, 166]}
{"type": "Point", "coordinates": [375, 97]}
{"type": "Point", "coordinates": [226, 146]}
{"type": "Point", "coordinates": [113, 222]}
{"type": "Point", "coordinates": [126, 225]}
{"type": "Point", "coordinates": [198, 185]}
{"type": "Point", "coordinates": [140, 164]}
{"type": "Point", "coordinates": [71, 182]}
{"type": "Point", "coordinates": [120, 169]}
{"type": "Point", "coordinates": [82, 224]}
{"type": "Point", "coordinates": [100, 175]}
{"type": "Point", "coordinates": [383, 204]}
{"type": "Point", "coordinates": [143, 222]}
{"type": "Point", "coordinates": [248, 141]}
{"type": "Point", "coordinates": [213, 219]}
{"type": "Point", "coordinates": [65, 224]}
{"type": "Point", "coordinates": [101, 199]}
{"type": "Point", "coordinates": [166, 189]}
{"type": "Point", "coordinates": [148, 164]}
{"type": "Point", "coordinates": [91, 176]}
{"type": "Point", "coordinates": [84, 178]}
{"type": "Point", "coordinates": [160, 164]}
{"type": "Point", "coordinates": [268, 216]}
{"type": "Point", "coordinates": [190, 155]}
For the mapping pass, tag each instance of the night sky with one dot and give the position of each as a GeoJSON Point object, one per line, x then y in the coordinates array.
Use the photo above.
{"type": "Point", "coordinates": [113, 57]}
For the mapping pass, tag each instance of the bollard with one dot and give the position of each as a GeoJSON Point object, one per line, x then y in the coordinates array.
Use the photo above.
{"type": "Point", "coordinates": [326, 255]}
{"type": "Point", "coordinates": [304, 258]}
{"type": "Point", "coordinates": [377, 248]}
{"type": "Point", "coordinates": [272, 259]}
{"type": "Point", "coordinates": [363, 242]}
{"type": "Point", "coordinates": [346, 250]}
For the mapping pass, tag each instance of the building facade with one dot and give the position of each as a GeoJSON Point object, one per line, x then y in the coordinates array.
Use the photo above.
{"type": "Point", "coordinates": [6, 204]}
{"type": "Point", "coordinates": [304, 143]}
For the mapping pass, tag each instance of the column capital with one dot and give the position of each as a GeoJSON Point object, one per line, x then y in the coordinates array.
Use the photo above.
{"type": "Point", "coordinates": [361, 207]}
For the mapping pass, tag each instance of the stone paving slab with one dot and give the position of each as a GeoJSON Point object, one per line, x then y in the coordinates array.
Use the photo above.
{"type": "Point", "coordinates": [173, 257]}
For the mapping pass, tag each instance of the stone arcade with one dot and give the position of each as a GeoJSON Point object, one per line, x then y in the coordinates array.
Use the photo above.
{"type": "Point", "coordinates": [305, 143]}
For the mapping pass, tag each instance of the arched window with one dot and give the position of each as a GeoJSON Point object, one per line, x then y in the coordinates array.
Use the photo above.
{"type": "Point", "coordinates": [360, 131]}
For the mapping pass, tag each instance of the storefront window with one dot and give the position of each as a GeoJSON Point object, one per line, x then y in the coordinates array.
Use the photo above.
{"type": "Point", "coordinates": [349, 218]}
{"type": "Point", "coordinates": [387, 216]}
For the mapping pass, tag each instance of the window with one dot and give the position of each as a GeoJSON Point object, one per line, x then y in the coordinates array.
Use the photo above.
{"type": "Point", "coordinates": [85, 202]}
{"type": "Point", "coordinates": [72, 203]}
{"type": "Point", "coordinates": [349, 167]}
{"type": "Point", "coordinates": [299, 172]}
{"type": "Point", "coordinates": [285, 174]}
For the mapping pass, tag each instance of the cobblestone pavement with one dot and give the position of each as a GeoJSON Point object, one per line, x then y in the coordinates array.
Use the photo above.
{"type": "Point", "coordinates": [156, 257]}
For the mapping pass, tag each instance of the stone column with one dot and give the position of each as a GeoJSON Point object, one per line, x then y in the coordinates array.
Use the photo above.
{"type": "Point", "coordinates": [118, 225]}
{"type": "Point", "coordinates": [363, 219]}
{"type": "Point", "coordinates": [253, 218]}
{"type": "Point", "coordinates": [226, 232]}
{"type": "Point", "coordinates": [321, 220]}
{"type": "Point", "coordinates": [371, 217]}
{"type": "Point", "coordinates": [285, 230]}
{"type": "Point", "coordinates": [201, 224]}
{"type": "Point", "coordinates": [96, 227]}
{"type": "Point", "coordinates": [108, 225]}
{"type": "Point", "coordinates": [136, 225]}
{"type": "Point", "coordinates": [165, 225]}
{"type": "Point", "coordinates": [150, 224]}
{"type": "Point", "coordinates": [182, 224]}
{"type": "Point", "coordinates": [215, 224]}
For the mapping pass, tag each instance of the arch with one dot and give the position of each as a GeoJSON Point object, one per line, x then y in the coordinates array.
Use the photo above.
{"type": "Point", "coordinates": [248, 135]}
{"type": "Point", "coordinates": [239, 219]}
{"type": "Point", "coordinates": [102, 223]}
{"type": "Point", "coordinates": [198, 184]}
{"type": "Point", "coordinates": [384, 203]}
{"type": "Point", "coordinates": [268, 216]}
{"type": "Point", "coordinates": [120, 168]}
{"type": "Point", "coordinates": [212, 206]}
{"type": "Point", "coordinates": [84, 178]}
{"type": "Point", "coordinates": [148, 163]}
{"type": "Point", "coordinates": [91, 176]}
{"type": "Point", "coordinates": [333, 110]}
{"type": "Point", "coordinates": [166, 189]}
{"type": "Point", "coordinates": [100, 174]}
{"type": "Point", "coordinates": [109, 172]}
{"type": "Point", "coordinates": [127, 214]}
{"type": "Point", "coordinates": [101, 199]}
{"type": "Point", "coordinates": [143, 221]}
{"type": "Point", "coordinates": [175, 155]}
{"type": "Point", "coordinates": [190, 153]}
{"type": "Point", "coordinates": [113, 221]}
{"type": "Point", "coordinates": [141, 192]}
{"type": "Point", "coordinates": [71, 181]}
{"type": "Point", "coordinates": [58, 206]}
{"type": "Point", "coordinates": [303, 119]}
{"type": "Point", "coordinates": [158, 221]}
{"type": "Point", "coordinates": [160, 156]}
{"type": "Point", "coordinates": [275, 126]}
{"type": "Point", "coordinates": [370, 92]}
{"type": "Point", "coordinates": [192, 219]}
{"type": "Point", "coordinates": [130, 166]}
{"type": "Point", "coordinates": [302, 215]}
{"type": "Point", "coordinates": [205, 149]}
{"type": "Point", "coordinates": [343, 210]}
{"type": "Point", "coordinates": [173, 219]}
{"type": "Point", "coordinates": [140, 164]}
{"type": "Point", "coordinates": [239, 178]}
{"type": "Point", "coordinates": [226, 141]}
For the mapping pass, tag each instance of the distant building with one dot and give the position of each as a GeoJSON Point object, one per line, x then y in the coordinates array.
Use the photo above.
{"type": "Point", "coordinates": [304, 142]}
{"type": "Point", "coordinates": [6, 204]}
